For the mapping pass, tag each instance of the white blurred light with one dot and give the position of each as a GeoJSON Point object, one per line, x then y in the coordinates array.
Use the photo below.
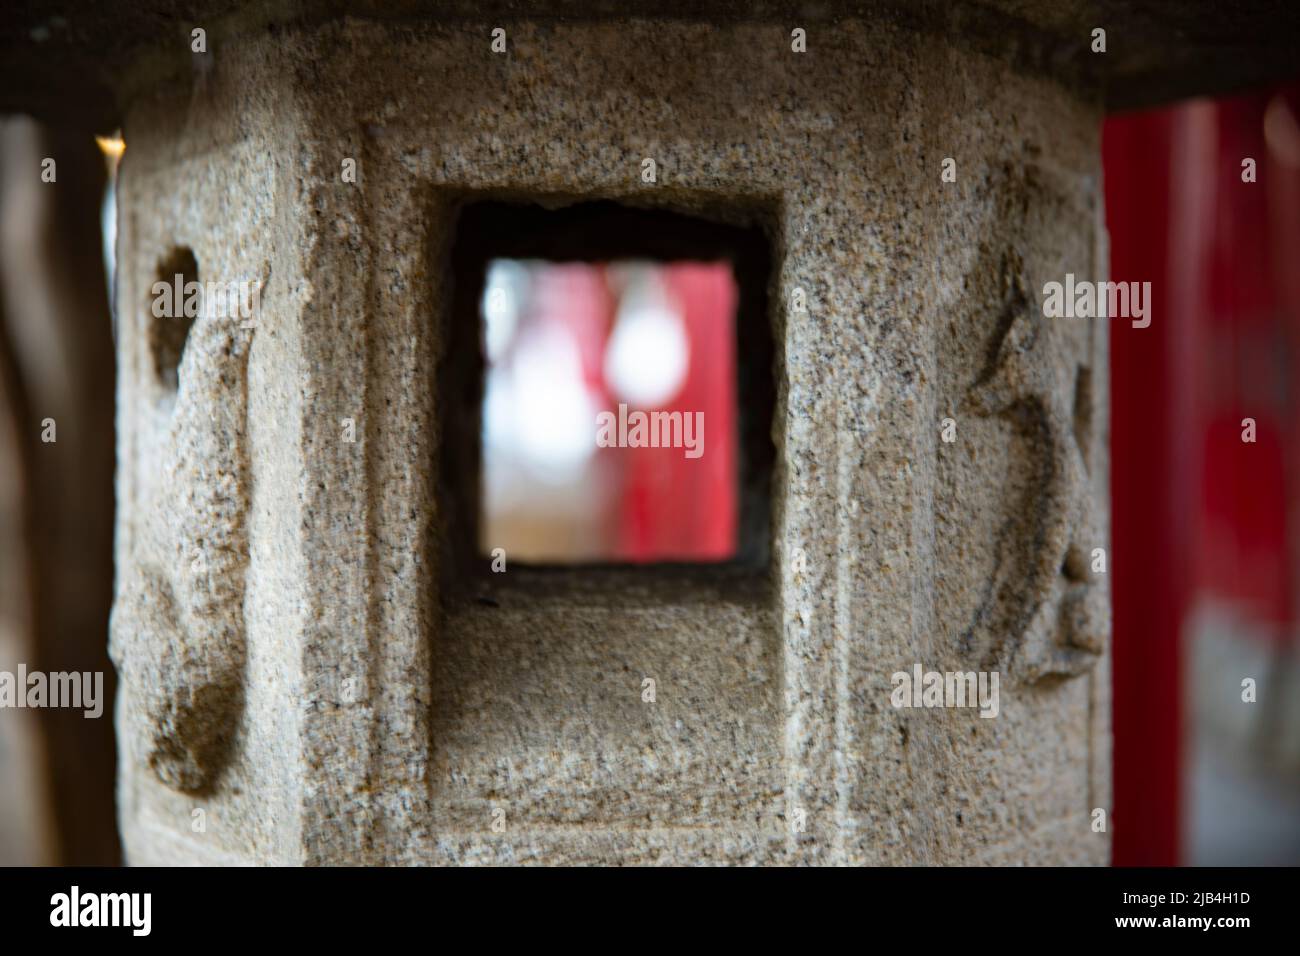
{"type": "Point", "coordinates": [503, 296]}
{"type": "Point", "coordinates": [648, 353]}
{"type": "Point", "coordinates": [1282, 131]}
{"type": "Point", "coordinates": [554, 414]}
{"type": "Point", "coordinates": [499, 410]}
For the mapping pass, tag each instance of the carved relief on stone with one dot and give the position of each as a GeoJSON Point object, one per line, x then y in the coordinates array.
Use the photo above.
{"type": "Point", "coordinates": [1044, 610]}
{"type": "Point", "coordinates": [178, 625]}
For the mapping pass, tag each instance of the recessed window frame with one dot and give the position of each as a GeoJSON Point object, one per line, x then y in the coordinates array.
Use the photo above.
{"type": "Point", "coordinates": [485, 227]}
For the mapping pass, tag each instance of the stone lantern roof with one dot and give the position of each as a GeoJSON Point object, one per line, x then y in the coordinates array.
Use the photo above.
{"type": "Point", "coordinates": [80, 64]}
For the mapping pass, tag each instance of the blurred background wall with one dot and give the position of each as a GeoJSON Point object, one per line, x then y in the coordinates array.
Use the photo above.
{"type": "Point", "coordinates": [1203, 200]}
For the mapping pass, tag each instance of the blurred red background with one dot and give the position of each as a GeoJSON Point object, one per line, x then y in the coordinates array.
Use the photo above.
{"type": "Point", "coordinates": [1204, 523]}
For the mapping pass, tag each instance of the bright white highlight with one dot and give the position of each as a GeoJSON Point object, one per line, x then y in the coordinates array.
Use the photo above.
{"type": "Point", "coordinates": [648, 354]}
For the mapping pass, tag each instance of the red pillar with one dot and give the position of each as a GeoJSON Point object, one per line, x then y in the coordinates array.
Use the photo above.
{"type": "Point", "coordinates": [1151, 162]}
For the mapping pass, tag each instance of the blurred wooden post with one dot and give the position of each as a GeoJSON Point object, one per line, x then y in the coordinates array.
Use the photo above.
{"type": "Point", "coordinates": [56, 342]}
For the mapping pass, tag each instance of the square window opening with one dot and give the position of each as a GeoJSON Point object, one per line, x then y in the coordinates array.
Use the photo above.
{"type": "Point", "coordinates": [608, 389]}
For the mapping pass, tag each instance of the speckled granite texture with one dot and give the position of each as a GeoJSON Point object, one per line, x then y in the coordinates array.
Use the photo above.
{"type": "Point", "coordinates": [382, 717]}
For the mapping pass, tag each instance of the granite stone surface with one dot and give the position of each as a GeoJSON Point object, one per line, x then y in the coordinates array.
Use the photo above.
{"type": "Point", "coordinates": [322, 693]}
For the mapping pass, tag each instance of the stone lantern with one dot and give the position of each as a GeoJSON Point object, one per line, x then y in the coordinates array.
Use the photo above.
{"type": "Point", "coordinates": [315, 670]}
